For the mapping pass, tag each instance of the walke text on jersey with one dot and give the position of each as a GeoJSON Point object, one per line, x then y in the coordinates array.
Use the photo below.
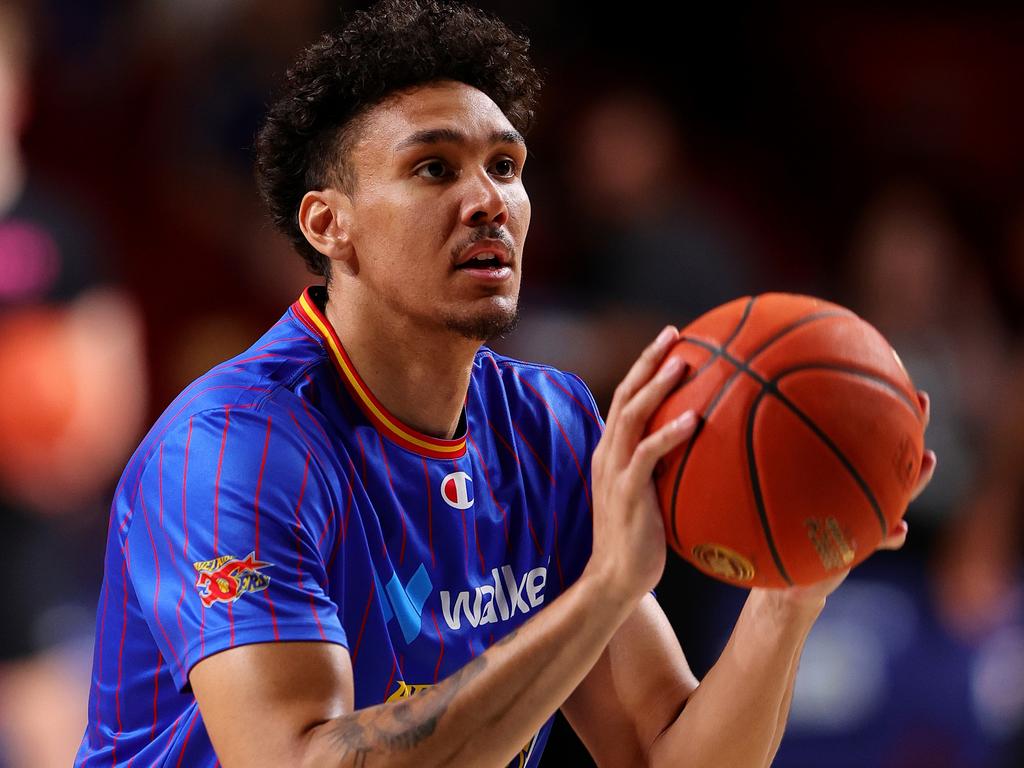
{"type": "Point", "coordinates": [490, 603]}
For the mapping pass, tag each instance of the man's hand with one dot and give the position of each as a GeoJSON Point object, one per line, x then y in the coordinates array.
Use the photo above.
{"type": "Point", "coordinates": [815, 594]}
{"type": "Point", "coordinates": [629, 535]}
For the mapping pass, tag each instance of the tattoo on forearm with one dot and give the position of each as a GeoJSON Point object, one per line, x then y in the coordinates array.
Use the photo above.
{"type": "Point", "coordinates": [401, 726]}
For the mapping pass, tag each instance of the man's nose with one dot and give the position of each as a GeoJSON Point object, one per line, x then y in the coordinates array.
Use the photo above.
{"type": "Point", "coordinates": [483, 203]}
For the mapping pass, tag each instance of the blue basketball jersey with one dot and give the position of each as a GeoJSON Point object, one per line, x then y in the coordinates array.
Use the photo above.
{"type": "Point", "coordinates": [277, 499]}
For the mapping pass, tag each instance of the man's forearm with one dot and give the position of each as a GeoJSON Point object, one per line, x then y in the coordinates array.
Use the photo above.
{"type": "Point", "coordinates": [737, 714]}
{"type": "Point", "coordinates": [484, 713]}
{"type": "Point", "coordinates": [787, 700]}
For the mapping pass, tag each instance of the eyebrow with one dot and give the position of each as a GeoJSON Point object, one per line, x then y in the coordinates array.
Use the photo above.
{"type": "Point", "coordinates": [451, 136]}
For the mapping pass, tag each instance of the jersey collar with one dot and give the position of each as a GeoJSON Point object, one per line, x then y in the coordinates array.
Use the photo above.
{"type": "Point", "coordinates": [308, 310]}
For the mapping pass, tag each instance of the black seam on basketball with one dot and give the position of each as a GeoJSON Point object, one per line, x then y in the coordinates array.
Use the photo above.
{"type": "Point", "coordinates": [721, 393]}
{"type": "Point", "coordinates": [720, 350]}
{"type": "Point", "coordinates": [813, 366]}
{"type": "Point", "coordinates": [770, 387]}
{"type": "Point", "coordinates": [739, 326]}
{"type": "Point", "coordinates": [679, 477]}
{"type": "Point", "coordinates": [714, 348]}
{"type": "Point", "coordinates": [825, 313]}
{"type": "Point", "coordinates": [716, 352]}
{"type": "Point", "coordinates": [823, 436]}
{"type": "Point", "coordinates": [755, 484]}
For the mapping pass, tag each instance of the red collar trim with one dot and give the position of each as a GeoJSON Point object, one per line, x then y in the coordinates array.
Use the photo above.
{"type": "Point", "coordinates": [390, 426]}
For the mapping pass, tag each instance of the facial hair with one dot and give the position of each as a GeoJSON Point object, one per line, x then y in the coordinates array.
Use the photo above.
{"type": "Point", "coordinates": [482, 327]}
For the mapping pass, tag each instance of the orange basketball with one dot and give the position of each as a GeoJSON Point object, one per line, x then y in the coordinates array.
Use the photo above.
{"type": "Point", "coordinates": [808, 448]}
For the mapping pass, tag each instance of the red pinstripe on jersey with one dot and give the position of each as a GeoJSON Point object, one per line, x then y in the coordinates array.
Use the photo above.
{"type": "Point", "coordinates": [188, 734]}
{"type": "Point", "coordinates": [487, 480]}
{"type": "Point", "coordinates": [540, 463]}
{"type": "Point", "coordinates": [98, 675]}
{"type": "Point", "coordinates": [561, 429]}
{"type": "Point", "coordinates": [512, 451]}
{"type": "Point", "coordinates": [156, 562]}
{"type": "Point", "coordinates": [590, 414]}
{"type": "Point", "coordinates": [170, 742]}
{"type": "Point", "coordinates": [120, 656]}
{"type": "Point", "coordinates": [343, 524]}
{"type": "Point", "coordinates": [316, 422]}
{"type": "Point", "coordinates": [391, 679]}
{"type": "Point", "coordinates": [515, 455]}
{"type": "Point", "coordinates": [326, 526]}
{"type": "Point", "coordinates": [256, 523]}
{"type": "Point", "coordinates": [440, 640]}
{"type": "Point", "coordinates": [298, 542]}
{"type": "Point", "coordinates": [156, 691]}
{"type": "Point", "coordinates": [184, 485]}
{"type": "Point", "coordinates": [391, 485]}
{"type": "Point", "coordinates": [476, 537]}
{"type": "Point", "coordinates": [169, 421]}
{"type": "Point", "coordinates": [216, 483]}
{"type": "Point", "coordinates": [362, 625]}
{"type": "Point", "coordinates": [275, 342]}
{"type": "Point", "coordinates": [429, 495]}
{"type": "Point", "coordinates": [465, 537]}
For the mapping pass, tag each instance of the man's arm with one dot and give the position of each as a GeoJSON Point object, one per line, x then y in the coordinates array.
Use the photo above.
{"type": "Point", "coordinates": [641, 706]}
{"type": "Point", "coordinates": [292, 703]}
{"type": "Point", "coordinates": [296, 699]}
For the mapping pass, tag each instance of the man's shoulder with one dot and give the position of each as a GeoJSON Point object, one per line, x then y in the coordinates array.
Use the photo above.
{"type": "Point", "coordinates": [549, 393]}
{"type": "Point", "coordinates": [258, 389]}
{"type": "Point", "coordinates": [511, 368]}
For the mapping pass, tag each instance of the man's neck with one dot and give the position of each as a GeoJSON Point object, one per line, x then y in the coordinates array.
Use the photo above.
{"type": "Point", "coordinates": [421, 375]}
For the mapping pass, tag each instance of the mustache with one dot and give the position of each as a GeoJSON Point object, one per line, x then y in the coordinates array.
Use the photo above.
{"type": "Point", "coordinates": [485, 233]}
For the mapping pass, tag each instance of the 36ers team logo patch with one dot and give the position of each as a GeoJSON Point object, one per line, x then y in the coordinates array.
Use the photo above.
{"type": "Point", "coordinates": [457, 490]}
{"type": "Point", "coordinates": [226, 578]}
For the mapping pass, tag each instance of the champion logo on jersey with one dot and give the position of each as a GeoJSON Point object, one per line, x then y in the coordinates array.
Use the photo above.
{"type": "Point", "coordinates": [457, 490]}
{"type": "Point", "coordinates": [226, 578]}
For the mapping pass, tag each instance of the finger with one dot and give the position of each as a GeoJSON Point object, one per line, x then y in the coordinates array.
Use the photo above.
{"type": "Point", "coordinates": [928, 462]}
{"type": "Point", "coordinates": [926, 406]}
{"type": "Point", "coordinates": [897, 537]}
{"type": "Point", "coordinates": [635, 415]}
{"type": "Point", "coordinates": [642, 370]}
{"type": "Point", "coordinates": [653, 447]}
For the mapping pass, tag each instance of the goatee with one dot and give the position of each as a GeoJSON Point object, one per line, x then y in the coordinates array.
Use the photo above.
{"type": "Point", "coordinates": [484, 327]}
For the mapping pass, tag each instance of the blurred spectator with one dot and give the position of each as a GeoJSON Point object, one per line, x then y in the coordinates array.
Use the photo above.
{"type": "Point", "coordinates": [918, 661]}
{"type": "Point", "coordinates": [1009, 275]}
{"type": "Point", "coordinates": [912, 277]}
{"type": "Point", "coordinates": [72, 395]}
{"type": "Point", "coordinates": [653, 251]}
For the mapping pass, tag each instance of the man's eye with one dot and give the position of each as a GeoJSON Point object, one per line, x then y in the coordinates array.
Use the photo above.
{"type": "Point", "coordinates": [504, 168]}
{"type": "Point", "coordinates": [435, 169]}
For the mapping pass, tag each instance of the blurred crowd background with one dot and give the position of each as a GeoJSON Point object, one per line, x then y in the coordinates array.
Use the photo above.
{"type": "Point", "coordinates": [870, 154]}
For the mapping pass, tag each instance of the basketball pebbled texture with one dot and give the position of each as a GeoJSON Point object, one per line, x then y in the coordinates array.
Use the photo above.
{"type": "Point", "coordinates": [808, 448]}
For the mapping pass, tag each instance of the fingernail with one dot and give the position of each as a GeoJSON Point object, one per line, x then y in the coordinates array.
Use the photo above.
{"type": "Point", "coordinates": [666, 336]}
{"type": "Point", "coordinates": [671, 368]}
{"type": "Point", "coordinates": [685, 421]}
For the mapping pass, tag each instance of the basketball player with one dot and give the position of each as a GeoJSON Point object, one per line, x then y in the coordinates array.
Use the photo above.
{"type": "Point", "coordinates": [368, 540]}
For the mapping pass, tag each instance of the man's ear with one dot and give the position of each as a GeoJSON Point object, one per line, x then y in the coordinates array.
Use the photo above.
{"type": "Point", "coordinates": [325, 218]}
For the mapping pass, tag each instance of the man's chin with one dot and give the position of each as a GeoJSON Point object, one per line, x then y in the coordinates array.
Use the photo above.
{"type": "Point", "coordinates": [482, 326]}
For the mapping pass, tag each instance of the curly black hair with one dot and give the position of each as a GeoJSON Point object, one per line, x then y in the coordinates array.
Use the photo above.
{"type": "Point", "coordinates": [394, 45]}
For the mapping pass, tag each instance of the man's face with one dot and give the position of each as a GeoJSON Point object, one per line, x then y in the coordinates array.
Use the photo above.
{"type": "Point", "coordinates": [439, 212]}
